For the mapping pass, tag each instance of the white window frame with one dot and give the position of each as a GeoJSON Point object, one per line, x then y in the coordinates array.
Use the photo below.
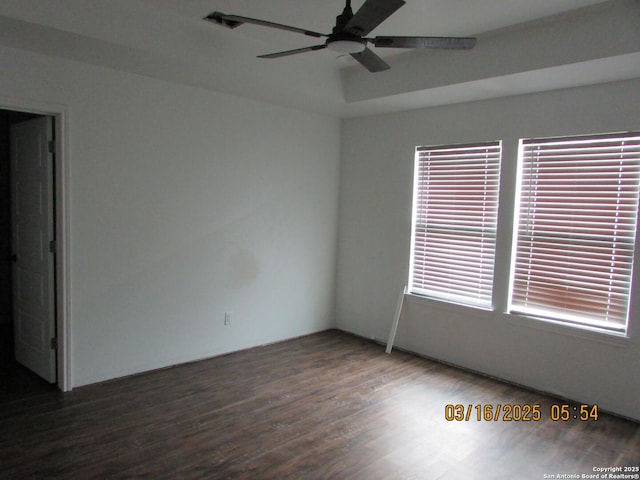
{"type": "Point", "coordinates": [452, 286]}
{"type": "Point", "coordinates": [585, 231]}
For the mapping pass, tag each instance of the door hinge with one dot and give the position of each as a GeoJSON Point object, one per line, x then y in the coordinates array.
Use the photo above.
{"type": "Point", "coordinates": [54, 343]}
{"type": "Point", "coordinates": [53, 246]}
{"type": "Point", "coordinates": [52, 146]}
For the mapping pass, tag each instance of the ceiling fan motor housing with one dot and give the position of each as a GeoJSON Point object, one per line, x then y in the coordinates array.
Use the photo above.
{"type": "Point", "coordinates": [342, 41]}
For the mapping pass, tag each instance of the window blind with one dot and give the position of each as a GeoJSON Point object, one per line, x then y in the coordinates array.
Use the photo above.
{"type": "Point", "coordinates": [454, 222]}
{"type": "Point", "coordinates": [576, 227]}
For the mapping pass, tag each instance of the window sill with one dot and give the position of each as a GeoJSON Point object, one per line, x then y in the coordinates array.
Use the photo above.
{"type": "Point", "coordinates": [444, 302]}
{"type": "Point", "coordinates": [520, 320]}
{"type": "Point", "coordinates": [584, 332]}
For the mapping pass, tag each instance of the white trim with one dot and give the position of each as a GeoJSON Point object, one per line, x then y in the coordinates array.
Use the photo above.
{"type": "Point", "coordinates": [555, 327]}
{"type": "Point", "coordinates": [414, 215]}
{"type": "Point", "coordinates": [396, 320]}
{"type": "Point", "coordinates": [453, 241]}
{"type": "Point", "coordinates": [63, 222]}
{"type": "Point", "coordinates": [63, 257]}
{"type": "Point", "coordinates": [605, 168]}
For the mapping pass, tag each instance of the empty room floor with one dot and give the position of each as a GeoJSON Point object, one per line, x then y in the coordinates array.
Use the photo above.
{"type": "Point", "coordinates": [328, 405]}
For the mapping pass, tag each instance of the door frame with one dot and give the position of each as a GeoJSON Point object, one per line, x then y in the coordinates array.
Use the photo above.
{"type": "Point", "coordinates": [60, 113]}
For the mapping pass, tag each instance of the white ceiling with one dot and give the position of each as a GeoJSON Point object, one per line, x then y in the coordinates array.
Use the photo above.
{"type": "Point", "coordinates": [416, 17]}
{"type": "Point", "coordinates": [168, 39]}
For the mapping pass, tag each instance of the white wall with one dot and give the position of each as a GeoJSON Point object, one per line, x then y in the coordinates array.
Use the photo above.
{"type": "Point", "coordinates": [374, 238]}
{"type": "Point", "coordinates": [186, 204]}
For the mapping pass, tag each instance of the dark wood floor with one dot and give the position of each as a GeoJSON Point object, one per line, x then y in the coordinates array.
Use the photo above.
{"type": "Point", "coordinates": [328, 405]}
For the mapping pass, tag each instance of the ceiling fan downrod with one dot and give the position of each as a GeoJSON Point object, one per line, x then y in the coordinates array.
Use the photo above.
{"type": "Point", "coordinates": [343, 19]}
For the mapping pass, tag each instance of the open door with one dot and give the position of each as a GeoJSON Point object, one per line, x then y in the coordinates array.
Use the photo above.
{"type": "Point", "coordinates": [33, 241]}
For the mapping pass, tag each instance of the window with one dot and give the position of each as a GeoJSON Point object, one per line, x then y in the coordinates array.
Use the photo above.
{"type": "Point", "coordinates": [575, 229]}
{"type": "Point", "coordinates": [454, 222]}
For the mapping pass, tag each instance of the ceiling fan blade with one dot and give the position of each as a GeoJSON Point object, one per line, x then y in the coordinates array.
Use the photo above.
{"type": "Point", "coordinates": [293, 52]}
{"type": "Point", "coordinates": [370, 61]}
{"type": "Point", "coordinates": [233, 21]}
{"type": "Point", "coordinates": [455, 43]}
{"type": "Point", "coordinates": [370, 15]}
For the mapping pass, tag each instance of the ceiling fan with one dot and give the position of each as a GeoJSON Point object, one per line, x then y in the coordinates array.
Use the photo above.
{"type": "Point", "coordinates": [349, 34]}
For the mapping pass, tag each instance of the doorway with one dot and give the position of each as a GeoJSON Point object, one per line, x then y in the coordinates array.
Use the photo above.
{"type": "Point", "coordinates": [27, 271]}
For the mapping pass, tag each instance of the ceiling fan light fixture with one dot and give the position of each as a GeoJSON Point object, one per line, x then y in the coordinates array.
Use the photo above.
{"type": "Point", "coordinates": [346, 46]}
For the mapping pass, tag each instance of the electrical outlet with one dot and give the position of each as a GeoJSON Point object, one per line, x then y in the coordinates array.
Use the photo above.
{"type": "Point", "coordinates": [227, 318]}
